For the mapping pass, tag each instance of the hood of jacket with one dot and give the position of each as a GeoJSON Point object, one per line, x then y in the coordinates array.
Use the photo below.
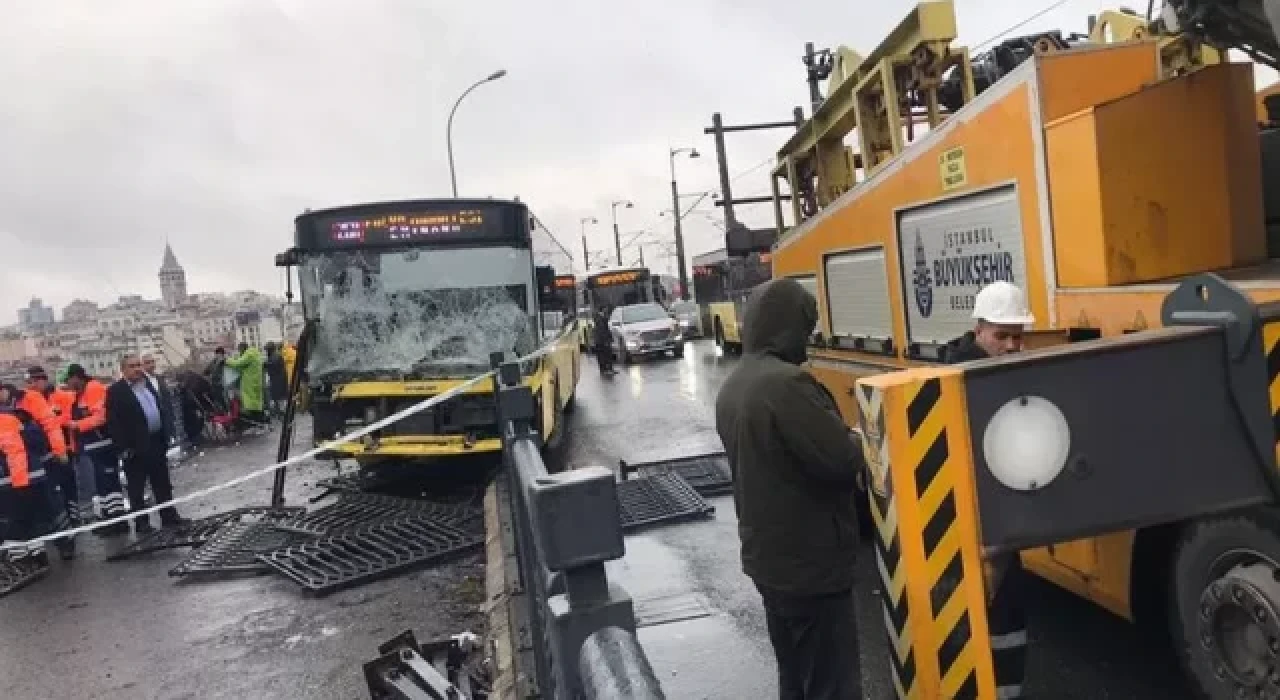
{"type": "Point", "coordinates": [779, 319]}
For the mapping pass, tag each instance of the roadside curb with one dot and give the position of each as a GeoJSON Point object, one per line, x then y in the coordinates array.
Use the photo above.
{"type": "Point", "coordinates": [498, 599]}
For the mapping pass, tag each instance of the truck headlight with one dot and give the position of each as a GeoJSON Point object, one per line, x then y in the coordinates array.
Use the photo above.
{"type": "Point", "coordinates": [1027, 443]}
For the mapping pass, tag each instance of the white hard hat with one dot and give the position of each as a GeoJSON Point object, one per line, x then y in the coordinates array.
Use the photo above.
{"type": "Point", "coordinates": [1004, 304]}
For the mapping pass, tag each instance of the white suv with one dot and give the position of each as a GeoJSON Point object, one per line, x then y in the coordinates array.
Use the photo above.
{"type": "Point", "coordinates": [645, 329]}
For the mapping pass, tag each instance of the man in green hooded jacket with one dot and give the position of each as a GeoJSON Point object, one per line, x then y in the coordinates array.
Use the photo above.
{"type": "Point", "coordinates": [795, 468]}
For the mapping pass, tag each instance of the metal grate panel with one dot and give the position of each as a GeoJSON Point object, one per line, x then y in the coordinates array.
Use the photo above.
{"type": "Point", "coordinates": [201, 531]}
{"type": "Point", "coordinates": [370, 552]}
{"type": "Point", "coordinates": [708, 474]}
{"type": "Point", "coordinates": [16, 574]}
{"type": "Point", "coordinates": [235, 549]}
{"type": "Point", "coordinates": [659, 498]}
{"type": "Point", "coordinates": [357, 509]}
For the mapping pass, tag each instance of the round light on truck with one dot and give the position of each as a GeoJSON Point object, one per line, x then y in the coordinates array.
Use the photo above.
{"type": "Point", "coordinates": [1026, 443]}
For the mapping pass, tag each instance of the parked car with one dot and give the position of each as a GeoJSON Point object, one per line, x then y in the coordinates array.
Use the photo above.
{"type": "Point", "coordinates": [645, 329]}
{"type": "Point", "coordinates": [689, 316]}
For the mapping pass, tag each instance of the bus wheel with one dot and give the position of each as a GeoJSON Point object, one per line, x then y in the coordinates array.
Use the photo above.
{"type": "Point", "coordinates": [1225, 598]}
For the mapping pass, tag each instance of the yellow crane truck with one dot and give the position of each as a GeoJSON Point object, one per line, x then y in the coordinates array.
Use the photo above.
{"type": "Point", "coordinates": [1096, 172]}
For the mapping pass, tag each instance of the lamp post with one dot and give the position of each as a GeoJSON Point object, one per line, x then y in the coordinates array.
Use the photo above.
{"type": "Point", "coordinates": [617, 240]}
{"type": "Point", "coordinates": [448, 134]}
{"type": "Point", "coordinates": [586, 255]}
{"type": "Point", "coordinates": [675, 215]}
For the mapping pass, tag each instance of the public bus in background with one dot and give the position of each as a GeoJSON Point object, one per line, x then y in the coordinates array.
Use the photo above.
{"type": "Point", "coordinates": [406, 300]}
{"type": "Point", "coordinates": [721, 283]}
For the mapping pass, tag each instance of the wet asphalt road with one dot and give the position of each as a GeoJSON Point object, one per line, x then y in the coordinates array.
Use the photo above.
{"type": "Point", "coordinates": [664, 408]}
{"type": "Point", "coordinates": [126, 630]}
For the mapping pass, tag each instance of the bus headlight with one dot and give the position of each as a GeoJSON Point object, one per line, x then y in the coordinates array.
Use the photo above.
{"type": "Point", "coordinates": [1026, 443]}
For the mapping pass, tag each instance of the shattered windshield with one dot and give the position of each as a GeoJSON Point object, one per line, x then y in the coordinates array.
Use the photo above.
{"type": "Point", "coordinates": [417, 313]}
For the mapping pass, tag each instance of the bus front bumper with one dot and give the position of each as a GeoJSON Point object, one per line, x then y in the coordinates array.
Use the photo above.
{"type": "Point", "coordinates": [414, 447]}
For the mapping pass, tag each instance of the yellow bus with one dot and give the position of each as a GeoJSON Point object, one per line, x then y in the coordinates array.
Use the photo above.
{"type": "Point", "coordinates": [721, 284]}
{"type": "Point", "coordinates": [410, 299]}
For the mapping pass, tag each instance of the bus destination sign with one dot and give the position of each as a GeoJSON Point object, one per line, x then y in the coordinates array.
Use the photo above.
{"type": "Point", "coordinates": [611, 278]}
{"type": "Point", "coordinates": [406, 228]}
{"type": "Point", "coordinates": [396, 224]}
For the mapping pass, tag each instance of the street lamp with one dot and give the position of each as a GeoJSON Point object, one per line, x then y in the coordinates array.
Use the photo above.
{"type": "Point", "coordinates": [448, 134]}
{"type": "Point", "coordinates": [617, 240]}
{"type": "Point", "coordinates": [586, 255]}
{"type": "Point", "coordinates": [675, 206]}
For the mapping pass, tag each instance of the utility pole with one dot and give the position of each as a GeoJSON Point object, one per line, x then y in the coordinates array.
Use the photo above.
{"type": "Point", "coordinates": [586, 255]}
{"type": "Point", "coordinates": [675, 214]}
{"type": "Point", "coordinates": [617, 238]}
{"type": "Point", "coordinates": [727, 200]}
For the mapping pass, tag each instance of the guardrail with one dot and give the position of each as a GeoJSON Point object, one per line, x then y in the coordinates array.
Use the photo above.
{"type": "Point", "coordinates": [579, 629]}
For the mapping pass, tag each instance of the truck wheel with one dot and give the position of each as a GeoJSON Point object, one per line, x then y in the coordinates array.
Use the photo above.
{"type": "Point", "coordinates": [1225, 599]}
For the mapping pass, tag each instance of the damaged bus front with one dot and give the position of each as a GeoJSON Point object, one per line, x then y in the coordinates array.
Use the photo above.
{"type": "Point", "coordinates": [408, 300]}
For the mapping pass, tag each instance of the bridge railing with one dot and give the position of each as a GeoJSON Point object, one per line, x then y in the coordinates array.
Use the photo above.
{"type": "Point", "coordinates": [580, 627]}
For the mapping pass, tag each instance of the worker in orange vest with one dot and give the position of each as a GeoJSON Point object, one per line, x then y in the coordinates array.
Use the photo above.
{"type": "Point", "coordinates": [93, 446]}
{"type": "Point", "coordinates": [26, 494]}
{"type": "Point", "coordinates": [77, 505]}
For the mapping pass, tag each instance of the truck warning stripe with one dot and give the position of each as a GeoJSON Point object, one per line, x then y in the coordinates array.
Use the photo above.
{"type": "Point", "coordinates": [888, 544]}
{"type": "Point", "coordinates": [935, 482]}
{"type": "Point", "coordinates": [1271, 344]}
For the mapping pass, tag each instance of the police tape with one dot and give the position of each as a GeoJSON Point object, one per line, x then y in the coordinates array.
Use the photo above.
{"type": "Point", "coordinates": [263, 471]}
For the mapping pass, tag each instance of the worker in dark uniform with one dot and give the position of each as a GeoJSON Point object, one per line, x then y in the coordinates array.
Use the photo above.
{"type": "Point", "coordinates": [603, 339]}
{"type": "Point", "coordinates": [27, 496]}
{"type": "Point", "coordinates": [795, 467]}
{"type": "Point", "coordinates": [1001, 316]}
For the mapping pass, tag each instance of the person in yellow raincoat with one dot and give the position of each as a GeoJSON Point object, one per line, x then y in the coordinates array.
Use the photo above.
{"type": "Point", "coordinates": [248, 362]}
{"type": "Point", "coordinates": [289, 354]}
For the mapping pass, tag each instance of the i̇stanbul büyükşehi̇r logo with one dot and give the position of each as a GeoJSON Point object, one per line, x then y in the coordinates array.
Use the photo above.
{"type": "Point", "coordinates": [922, 281]}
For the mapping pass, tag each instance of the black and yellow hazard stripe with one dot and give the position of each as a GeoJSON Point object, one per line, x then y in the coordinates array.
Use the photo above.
{"type": "Point", "coordinates": [884, 514]}
{"type": "Point", "coordinates": [1271, 345]}
{"type": "Point", "coordinates": [935, 493]}
{"type": "Point", "coordinates": [928, 537]}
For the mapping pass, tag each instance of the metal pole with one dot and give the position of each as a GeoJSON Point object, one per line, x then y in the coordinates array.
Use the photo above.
{"type": "Point", "coordinates": [448, 132]}
{"type": "Point", "coordinates": [617, 239]}
{"type": "Point", "coordinates": [722, 159]}
{"type": "Point", "coordinates": [641, 255]}
{"type": "Point", "coordinates": [675, 214]}
{"type": "Point", "coordinates": [586, 254]}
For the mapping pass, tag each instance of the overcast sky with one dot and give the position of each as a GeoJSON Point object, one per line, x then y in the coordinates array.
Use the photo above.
{"type": "Point", "coordinates": [212, 123]}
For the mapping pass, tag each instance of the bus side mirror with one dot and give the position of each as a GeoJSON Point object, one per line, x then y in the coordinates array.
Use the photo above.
{"type": "Point", "coordinates": [545, 277]}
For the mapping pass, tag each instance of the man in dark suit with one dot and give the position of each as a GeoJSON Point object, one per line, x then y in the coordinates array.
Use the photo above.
{"type": "Point", "coordinates": [140, 429]}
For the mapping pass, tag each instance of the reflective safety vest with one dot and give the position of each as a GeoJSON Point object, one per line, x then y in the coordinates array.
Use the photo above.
{"type": "Point", "coordinates": [89, 417]}
{"type": "Point", "coordinates": [24, 450]}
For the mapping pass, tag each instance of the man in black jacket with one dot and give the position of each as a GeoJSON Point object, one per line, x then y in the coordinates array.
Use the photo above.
{"type": "Point", "coordinates": [1001, 315]}
{"type": "Point", "coordinates": [795, 467]}
{"type": "Point", "coordinates": [140, 430]}
{"type": "Point", "coordinates": [602, 338]}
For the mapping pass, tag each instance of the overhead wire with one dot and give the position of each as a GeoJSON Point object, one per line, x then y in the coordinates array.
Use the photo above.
{"type": "Point", "coordinates": [1046, 10]}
